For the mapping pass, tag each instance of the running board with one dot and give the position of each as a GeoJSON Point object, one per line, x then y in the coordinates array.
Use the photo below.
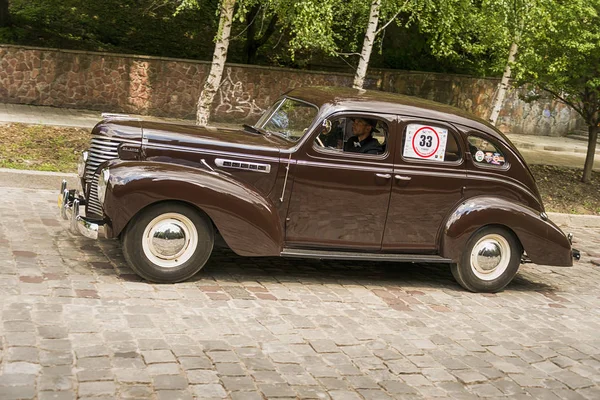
{"type": "Point", "coordinates": [346, 255]}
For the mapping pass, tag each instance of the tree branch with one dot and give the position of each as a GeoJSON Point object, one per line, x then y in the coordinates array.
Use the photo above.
{"type": "Point", "coordinates": [248, 25]}
{"type": "Point", "coordinates": [378, 31]}
{"type": "Point", "coordinates": [347, 54]}
{"type": "Point", "coordinates": [564, 100]}
{"type": "Point", "coordinates": [270, 29]}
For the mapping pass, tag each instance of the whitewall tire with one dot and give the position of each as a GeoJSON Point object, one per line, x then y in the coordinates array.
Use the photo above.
{"type": "Point", "coordinates": [168, 242]}
{"type": "Point", "coordinates": [490, 260]}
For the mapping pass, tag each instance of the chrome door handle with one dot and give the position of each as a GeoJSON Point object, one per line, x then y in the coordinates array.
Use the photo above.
{"type": "Point", "coordinates": [402, 177]}
{"type": "Point", "coordinates": [386, 176]}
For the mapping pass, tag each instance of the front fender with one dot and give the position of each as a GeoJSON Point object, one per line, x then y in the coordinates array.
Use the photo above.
{"type": "Point", "coordinates": [247, 220]}
{"type": "Point", "coordinates": [543, 241]}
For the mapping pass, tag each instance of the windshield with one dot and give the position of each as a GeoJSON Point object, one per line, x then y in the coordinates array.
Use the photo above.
{"type": "Point", "coordinates": [288, 118]}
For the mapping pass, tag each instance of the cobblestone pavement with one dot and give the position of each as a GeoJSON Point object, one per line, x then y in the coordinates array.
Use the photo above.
{"type": "Point", "coordinates": [76, 323]}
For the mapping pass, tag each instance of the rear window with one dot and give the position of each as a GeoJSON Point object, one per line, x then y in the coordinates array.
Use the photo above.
{"type": "Point", "coordinates": [485, 153]}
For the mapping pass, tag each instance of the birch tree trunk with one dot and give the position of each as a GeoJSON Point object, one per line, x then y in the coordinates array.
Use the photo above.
{"type": "Point", "coordinates": [218, 64]}
{"type": "Point", "coordinates": [503, 87]}
{"type": "Point", "coordinates": [365, 55]}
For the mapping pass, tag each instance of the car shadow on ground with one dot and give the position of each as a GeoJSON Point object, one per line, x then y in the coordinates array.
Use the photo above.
{"type": "Point", "coordinates": [225, 265]}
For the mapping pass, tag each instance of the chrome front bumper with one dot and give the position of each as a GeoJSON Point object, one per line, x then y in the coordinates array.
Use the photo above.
{"type": "Point", "coordinates": [69, 202]}
{"type": "Point", "coordinates": [576, 253]}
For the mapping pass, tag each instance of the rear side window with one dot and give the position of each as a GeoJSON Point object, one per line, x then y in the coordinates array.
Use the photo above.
{"type": "Point", "coordinates": [485, 153]}
{"type": "Point", "coordinates": [429, 143]}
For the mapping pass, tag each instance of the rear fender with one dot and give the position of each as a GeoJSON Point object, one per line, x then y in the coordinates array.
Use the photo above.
{"type": "Point", "coordinates": [543, 241]}
{"type": "Point", "coordinates": [246, 219]}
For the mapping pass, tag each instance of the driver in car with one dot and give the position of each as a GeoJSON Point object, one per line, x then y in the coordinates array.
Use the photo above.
{"type": "Point", "coordinates": [363, 140]}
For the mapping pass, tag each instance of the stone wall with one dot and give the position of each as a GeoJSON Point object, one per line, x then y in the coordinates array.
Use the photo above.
{"type": "Point", "coordinates": [545, 116]}
{"type": "Point", "coordinates": [170, 87]}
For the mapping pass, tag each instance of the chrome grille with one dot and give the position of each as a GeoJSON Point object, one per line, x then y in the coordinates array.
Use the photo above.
{"type": "Point", "coordinates": [102, 148]}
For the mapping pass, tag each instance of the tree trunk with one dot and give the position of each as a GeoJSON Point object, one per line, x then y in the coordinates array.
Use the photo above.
{"type": "Point", "coordinates": [365, 55]}
{"type": "Point", "coordinates": [251, 47]}
{"type": "Point", "coordinates": [252, 43]}
{"type": "Point", "coordinates": [591, 152]}
{"type": "Point", "coordinates": [4, 14]}
{"type": "Point", "coordinates": [218, 64]}
{"type": "Point", "coordinates": [503, 86]}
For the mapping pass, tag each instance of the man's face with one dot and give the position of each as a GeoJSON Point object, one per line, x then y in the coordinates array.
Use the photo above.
{"type": "Point", "coordinates": [360, 127]}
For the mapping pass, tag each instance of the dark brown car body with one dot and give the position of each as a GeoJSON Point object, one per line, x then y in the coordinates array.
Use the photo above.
{"type": "Point", "coordinates": [310, 202]}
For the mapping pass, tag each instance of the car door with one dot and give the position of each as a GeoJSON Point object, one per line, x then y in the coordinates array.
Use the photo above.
{"type": "Point", "coordinates": [429, 178]}
{"type": "Point", "coordinates": [339, 199]}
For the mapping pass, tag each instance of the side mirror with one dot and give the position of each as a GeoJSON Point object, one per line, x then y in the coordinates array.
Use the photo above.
{"type": "Point", "coordinates": [326, 126]}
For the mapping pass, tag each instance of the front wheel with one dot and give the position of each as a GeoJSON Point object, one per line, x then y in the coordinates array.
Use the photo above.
{"type": "Point", "coordinates": [168, 242]}
{"type": "Point", "coordinates": [490, 260]}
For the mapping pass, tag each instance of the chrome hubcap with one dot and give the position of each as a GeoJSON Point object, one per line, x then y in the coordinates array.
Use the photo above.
{"type": "Point", "coordinates": [490, 257]}
{"type": "Point", "coordinates": [170, 240]}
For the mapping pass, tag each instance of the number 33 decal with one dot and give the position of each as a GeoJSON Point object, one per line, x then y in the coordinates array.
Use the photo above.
{"type": "Point", "coordinates": [426, 141]}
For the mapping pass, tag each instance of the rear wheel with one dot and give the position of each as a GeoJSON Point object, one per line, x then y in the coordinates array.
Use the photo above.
{"type": "Point", "coordinates": [168, 242]}
{"type": "Point", "coordinates": [490, 260]}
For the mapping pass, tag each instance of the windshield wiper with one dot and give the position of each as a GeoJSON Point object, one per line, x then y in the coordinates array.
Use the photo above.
{"type": "Point", "coordinates": [252, 129]}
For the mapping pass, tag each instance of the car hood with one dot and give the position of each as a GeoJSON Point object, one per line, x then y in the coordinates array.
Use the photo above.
{"type": "Point", "coordinates": [190, 136]}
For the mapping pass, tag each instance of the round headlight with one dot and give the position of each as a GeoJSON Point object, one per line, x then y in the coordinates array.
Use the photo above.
{"type": "Point", "coordinates": [103, 184]}
{"type": "Point", "coordinates": [81, 165]}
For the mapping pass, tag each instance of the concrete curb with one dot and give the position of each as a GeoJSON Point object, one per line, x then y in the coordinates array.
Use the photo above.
{"type": "Point", "coordinates": [574, 220]}
{"type": "Point", "coordinates": [557, 149]}
{"type": "Point", "coordinates": [36, 179]}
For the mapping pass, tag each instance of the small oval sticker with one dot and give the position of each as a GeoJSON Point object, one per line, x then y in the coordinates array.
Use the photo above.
{"type": "Point", "coordinates": [479, 156]}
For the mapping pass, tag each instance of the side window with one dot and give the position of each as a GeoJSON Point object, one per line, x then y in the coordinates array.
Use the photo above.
{"type": "Point", "coordinates": [363, 135]}
{"type": "Point", "coordinates": [429, 143]}
{"type": "Point", "coordinates": [484, 152]}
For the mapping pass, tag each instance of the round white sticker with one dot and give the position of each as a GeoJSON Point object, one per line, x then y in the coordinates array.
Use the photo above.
{"type": "Point", "coordinates": [479, 156]}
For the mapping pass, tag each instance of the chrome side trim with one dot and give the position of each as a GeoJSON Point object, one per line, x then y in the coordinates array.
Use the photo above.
{"type": "Point", "coordinates": [347, 255]}
{"type": "Point", "coordinates": [222, 153]}
{"type": "Point", "coordinates": [249, 166]}
{"type": "Point", "coordinates": [343, 164]}
{"type": "Point", "coordinates": [287, 171]}
{"type": "Point", "coordinates": [203, 161]}
{"type": "Point", "coordinates": [119, 116]}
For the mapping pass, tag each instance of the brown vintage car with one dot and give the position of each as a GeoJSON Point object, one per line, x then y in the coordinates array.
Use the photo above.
{"type": "Point", "coordinates": [329, 173]}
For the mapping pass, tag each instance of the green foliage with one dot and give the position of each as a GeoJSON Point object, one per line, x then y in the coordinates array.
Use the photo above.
{"type": "Point", "coordinates": [429, 35]}
{"type": "Point", "coordinates": [134, 26]}
{"type": "Point", "coordinates": [562, 55]}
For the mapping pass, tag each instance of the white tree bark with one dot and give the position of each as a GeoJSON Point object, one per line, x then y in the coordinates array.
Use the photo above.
{"type": "Point", "coordinates": [503, 86]}
{"type": "Point", "coordinates": [218, 64]}
{"type": "Point", "coordinates": [365, 55]}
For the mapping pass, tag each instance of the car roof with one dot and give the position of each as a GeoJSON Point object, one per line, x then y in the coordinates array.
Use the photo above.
{"type": "Point", "coordinates": [347, 99]}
